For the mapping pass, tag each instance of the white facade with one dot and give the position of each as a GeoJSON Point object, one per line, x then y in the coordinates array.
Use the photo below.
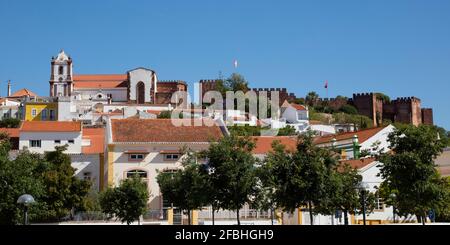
{"type": "Point", "coordinates": [322, 129]}
{"type": "Point", "coordinates": [87, 167]}
{"type": "Point", "coordinates": [153, 162]}
{"type": "Point", "coordinates": [380, 138]}
{"type": "Point", "coordinates": [48, 141]}
{"type": "Point", "coordinates": [146, 76]}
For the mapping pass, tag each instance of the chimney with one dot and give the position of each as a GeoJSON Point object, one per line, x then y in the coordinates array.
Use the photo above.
{"type": "Point", "coordinates": [9, 88]}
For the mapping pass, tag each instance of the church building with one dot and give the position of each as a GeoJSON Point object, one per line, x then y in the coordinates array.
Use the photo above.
{"type": "Point", "coordinates": [137, 86]}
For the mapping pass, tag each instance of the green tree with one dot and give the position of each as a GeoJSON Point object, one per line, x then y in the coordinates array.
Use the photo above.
{"type": "Point", "coordinates": [276, 160]}
{"type": "Point", "coordinates": [287, 131]}
{"type": "Point", "coordinates": [16, 178]}
{"type": "Point", "coordinates": [126, 202]}
{"type": "Point", "coordinates": [411, 172]}
{"type": "Point", "coordinates": [233, 172]}
{"type": "Point", "coordinates": [185, 189]}
{"type": "Point", "coordinates": [349, 109]}
{"type": "Point", "coordinates": [302, 176]}
{"type": "Point", "coordinates": [312, 98]}
{"type": "Point", "coordinates": [383, 97]}
{"type": "Point", "coordinates": [9, 123]}
{"type": "Point", "coordinates": [236, 82]}
{"type": "Point", "coordinates": [64, 193]}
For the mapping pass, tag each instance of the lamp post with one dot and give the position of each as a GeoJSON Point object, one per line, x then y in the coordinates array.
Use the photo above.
{"type": "Point", "coordinates": [363, 186]}
{"type": "Point", "coordinates": [392, 196]}
{"type": "Point", "coordinates": [26, 200]}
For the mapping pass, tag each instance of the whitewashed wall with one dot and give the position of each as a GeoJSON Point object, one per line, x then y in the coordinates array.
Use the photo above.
{"type": "Point", "coordinates": [48, 141]}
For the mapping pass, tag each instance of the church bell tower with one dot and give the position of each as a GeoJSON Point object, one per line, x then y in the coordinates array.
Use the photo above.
{"type": "Point", "coordinates": [61, 81]}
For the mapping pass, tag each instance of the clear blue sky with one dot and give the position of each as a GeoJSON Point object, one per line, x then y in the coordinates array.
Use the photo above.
{"type": "Point", "coordinates": [401, 48]}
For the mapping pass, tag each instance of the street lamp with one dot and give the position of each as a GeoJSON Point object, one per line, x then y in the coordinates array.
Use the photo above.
{"type": "Point", "coordinates": [26, 200]}
{"type": "Point", "coordinates": [392, 196]}
{"type": "Point", "coordinates": [363, 186]}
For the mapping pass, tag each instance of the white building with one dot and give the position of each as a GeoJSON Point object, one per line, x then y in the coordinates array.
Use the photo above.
{"type": "Point", "coordinates": [43, 136]}
{"type": "Point", "coordinates": [150, 146]}
{"type": "Point", "coordinates": [296, 116]}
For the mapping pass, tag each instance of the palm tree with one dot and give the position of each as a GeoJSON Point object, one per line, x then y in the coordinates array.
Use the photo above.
{"type": "Point", "coordinates": [312, 98]}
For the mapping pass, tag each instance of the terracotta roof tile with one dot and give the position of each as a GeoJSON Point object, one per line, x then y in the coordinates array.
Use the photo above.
{"type": "Point", "coordinates": [12, 132]}
{"type": "Point", "coordinates": [298, 107]}
{"type": "Point", "coordinates": [357, 163]}
{"type": "Point", "coordinates": [97, 138]}
{"type": "Point", "coordinates": [264, 143]}
{"type": "Point", "coordinates": [363, 135]}
{"type": "Point", "coordinates": [50, 126]}
{"type": "Point", "coordinates": [162, 130]}
{"type": "Point", "coordinates": [23, 92]}
{"type": "Point", "coordinates": [100, 81]}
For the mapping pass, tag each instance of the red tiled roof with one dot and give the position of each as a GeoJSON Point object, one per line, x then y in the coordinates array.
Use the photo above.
{"type": "Point", "coordinates": [12, 132]}
{"type": "Point", "coordinates": [162, 130]}
{"type": "Point", "coordinates": [23, 92]}
{"type": "Point", "coordinates": [50, 126]}
{"type": "Point", "coordinates": [97, 137]}
{"type": "Point", "coordinates": [358, 163]}
{"type": "Point", "coordinates": [363, 135]}
{"type": "Point", "coordinates": [298, 107]}
{"type": "Point", "coordinates": [100, 81]}
{"type": "Point", "coordinates": [264, 143]}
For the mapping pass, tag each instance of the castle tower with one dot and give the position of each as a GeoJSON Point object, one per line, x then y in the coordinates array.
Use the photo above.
{"type": "Point", "coordinates": [61, 83]}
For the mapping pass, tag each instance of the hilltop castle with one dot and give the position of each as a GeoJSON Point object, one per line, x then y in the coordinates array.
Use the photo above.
{"type": "Point", "coordinates": [403, 110]}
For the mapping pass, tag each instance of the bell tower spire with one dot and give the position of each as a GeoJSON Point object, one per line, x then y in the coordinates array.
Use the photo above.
{"type": "Point", "coordinates": [61, 81]}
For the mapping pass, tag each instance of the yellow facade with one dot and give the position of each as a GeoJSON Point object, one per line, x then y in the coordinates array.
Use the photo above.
{"type": "Point", "coordinates": [35, 111]}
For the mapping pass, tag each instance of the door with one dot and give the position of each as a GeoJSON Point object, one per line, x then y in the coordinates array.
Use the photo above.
{"type": "Point", "coordinates": [140, 93]}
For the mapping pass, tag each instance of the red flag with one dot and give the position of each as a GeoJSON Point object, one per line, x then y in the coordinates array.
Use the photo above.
{"type": "Point", "coordinates": [326, 83]}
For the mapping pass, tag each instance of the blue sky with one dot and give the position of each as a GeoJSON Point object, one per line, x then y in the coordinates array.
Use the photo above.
{"type": "Point", "coordinates": [401, 48]}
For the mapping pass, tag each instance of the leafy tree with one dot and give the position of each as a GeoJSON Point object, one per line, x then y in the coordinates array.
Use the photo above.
{"type": "Point", "coordinates": [126, 202]}
{"type": "Point", "coordinates": [9, 123]}
{"type": "Point", "coordinates": [245, 130]}
{"type": "Point", "coordinates": [287, 131]}
{"type": "Point", "coordinates": [383, 97]}
{"type": "Point", "coordinates": [361, 121]}
{"type": "Point", "coordinates": [236, 82]}
{"type": "Point", "coordinates": [411, 172]}
{"type": "Point", "coordinates": [232, 175]}
{"type": "Point", "coordinates": [16, 178]}
{"type": "Point", "coordinates": [64, 193]}
{"type": "Point", "coordinates": [276, 160]}
{"type": "Point", "coordinates": [302, 176]}
{"type": "Point", "coordinates": [349, 109]}
{"type": "Point", "coordinates": [312, 98]}
{"type": "Point", "coordinates": [186, 188]}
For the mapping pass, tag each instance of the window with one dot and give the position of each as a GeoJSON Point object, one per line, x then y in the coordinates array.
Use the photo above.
{"type": "Point", "coordinates": [60, 70]}
{"type": "Point", "coordinates": [44, 115]}
{"type": "Point", "coordinates": [57, 141]}
{"type": "Point", "coordinates": [379, 203]}
{"type": "Point", "coordinates": [136, 157]}
{"type": "Point", "coordinates": [139, 173]}
{"type": "Point", "coordinates": [87, 176]}
{"type": "Point", "coordinates": [52, 115]}
{"type": "Point", "coordinates": [35, 143]}
{"type": "Point", "coordinates": [71, 141]}
{"type": "Point", "coordinates": [33, 112]}
{"type": "Point", "coordinates": [171, 157]}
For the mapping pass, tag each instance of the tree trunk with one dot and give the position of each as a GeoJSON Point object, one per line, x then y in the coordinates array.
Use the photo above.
{"type": "Point", "coordinates": [424, 218]}
{"type": "Point", "coordinates": [237, 216]}
{"type": "Point", "coordinates": [311, 216]}
{"type": "Point", "coordinates": [212, 207]}
{"type": "Point", "coordinates": [345, 217]}
{"type": "Point", "coordinates": [189, 217]}
{"type": "Point", "coordinates": [271, 215]}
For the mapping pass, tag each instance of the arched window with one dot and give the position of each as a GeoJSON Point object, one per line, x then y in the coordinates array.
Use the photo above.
{"type": "Point", "coordinates": [60, 70]}
{"type": "Point", "coordinates": [137, 172]}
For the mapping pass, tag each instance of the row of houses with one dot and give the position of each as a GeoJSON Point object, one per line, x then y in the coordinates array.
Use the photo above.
{"type": "Point", "coordinates": [125, 147]}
